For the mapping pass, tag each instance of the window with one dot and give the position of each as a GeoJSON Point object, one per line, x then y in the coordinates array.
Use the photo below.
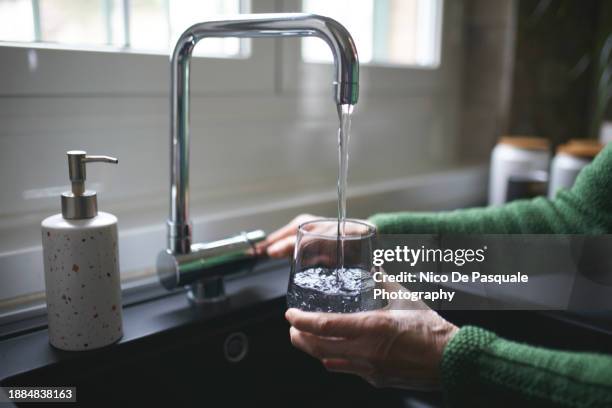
{"type": "Point", "coordinates": [16, 21]}
{"type": "Point", "coordinates": [140, 25]}
{"type": "Point", "coordinates": [397, 32]}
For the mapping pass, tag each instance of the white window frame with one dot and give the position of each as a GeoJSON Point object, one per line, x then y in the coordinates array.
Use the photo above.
{"type": "Point", "coordinates": [375, 78]}
{"type": "Point", "coordinates": [39, 69]}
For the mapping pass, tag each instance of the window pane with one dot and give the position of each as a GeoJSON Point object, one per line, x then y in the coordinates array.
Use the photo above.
{"type": "Point", "coordinates": [16, 22]}
{"type": "Point", "coordinates": [73, 21]}
{"type": "Point", "coordinates": [184, 13]}
{"type": "Point", "coordinates": [152, 25]}
{"type": "Point", "coordinates": [149, 28]}
{"type": "Point", "coordinates": [412, 36]}
{"type": "Point", "coordinates": [157, 24]}
{"type": "Point", "coordinates": [404, 32]}
{"type": "Point", "coordinates": [355, 15]}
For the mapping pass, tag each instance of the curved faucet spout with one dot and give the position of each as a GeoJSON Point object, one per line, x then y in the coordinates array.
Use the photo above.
{"type": "Point", "coordinates": [345, 86]}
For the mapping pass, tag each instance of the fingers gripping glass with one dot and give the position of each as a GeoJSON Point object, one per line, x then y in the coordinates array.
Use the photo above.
{"type": "Point", "coordinates": [332, 273]}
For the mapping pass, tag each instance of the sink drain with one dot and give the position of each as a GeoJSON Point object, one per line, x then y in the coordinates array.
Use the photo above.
{"type": "Point", "coordinates": [236, 347]}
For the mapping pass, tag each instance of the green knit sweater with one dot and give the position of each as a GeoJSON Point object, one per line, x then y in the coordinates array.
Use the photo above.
{"type": "Point", "coordinates": [481, 369]}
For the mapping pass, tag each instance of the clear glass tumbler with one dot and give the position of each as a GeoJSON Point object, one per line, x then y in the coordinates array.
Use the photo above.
{"type": "Point", "coordinates": [332, 272]}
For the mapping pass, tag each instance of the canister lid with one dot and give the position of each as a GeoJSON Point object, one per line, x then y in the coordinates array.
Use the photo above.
{"type": "Point", "coordinates": [584, 148]}
{"type": "Point", "coordinates": [525, 142]}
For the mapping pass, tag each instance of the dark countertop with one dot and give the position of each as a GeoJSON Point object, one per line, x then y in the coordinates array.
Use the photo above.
{"type": "Point", "coordinates": [21, 353]}
{"type": "Point", "coordinates": [249, 293]}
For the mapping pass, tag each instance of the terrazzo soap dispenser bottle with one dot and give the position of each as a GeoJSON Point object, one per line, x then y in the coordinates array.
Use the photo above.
{"type": "Point", "coordinates": [82, 266]}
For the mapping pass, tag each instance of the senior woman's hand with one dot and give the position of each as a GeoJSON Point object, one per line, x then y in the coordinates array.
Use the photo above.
{"type": "Point", "coordinates": [388, 348]}
{"type": "Point", "coordinates": [281, 242]}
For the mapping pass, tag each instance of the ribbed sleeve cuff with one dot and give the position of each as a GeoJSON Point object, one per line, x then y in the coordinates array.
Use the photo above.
{"type": "Point", "coordinates": [460, 362]}
{"type": "Point", "coordinates": [379, 221]}
{"type": "Point", "coordinates": [405, 223]}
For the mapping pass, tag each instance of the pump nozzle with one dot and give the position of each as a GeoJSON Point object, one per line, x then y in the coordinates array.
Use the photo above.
{"type": "Point", "coordinates": [80, 203]}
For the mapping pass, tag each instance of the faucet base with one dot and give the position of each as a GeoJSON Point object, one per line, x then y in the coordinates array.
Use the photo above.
{"type": "Point", "coordinates": [207, 291]}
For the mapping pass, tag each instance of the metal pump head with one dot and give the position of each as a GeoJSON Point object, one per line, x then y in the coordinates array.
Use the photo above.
{"type": "Point", "coordinates": [80, 203]}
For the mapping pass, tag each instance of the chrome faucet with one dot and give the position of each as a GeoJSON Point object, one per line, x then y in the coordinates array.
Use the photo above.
{"type": "Point", "coordinates": [182, 262]}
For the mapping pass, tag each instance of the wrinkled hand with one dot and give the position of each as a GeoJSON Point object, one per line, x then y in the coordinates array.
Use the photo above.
{"type": "Point", "coordinates": [388, 348]}
{"type": "Point", "coordinates": [281, 242]}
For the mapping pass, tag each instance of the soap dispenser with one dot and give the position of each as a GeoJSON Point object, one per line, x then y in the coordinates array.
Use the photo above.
{"type": "Point", "coordinates": [81, 262]}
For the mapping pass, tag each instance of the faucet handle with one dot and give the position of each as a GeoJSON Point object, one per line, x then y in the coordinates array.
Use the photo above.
{"type": "Point", "coordinates": [209, 261]}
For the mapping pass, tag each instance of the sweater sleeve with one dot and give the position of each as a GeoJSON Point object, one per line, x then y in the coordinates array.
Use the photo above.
{"type": "Point", "coordinates": [584, 209]}
{"type": "Point", "coordinates": [481, 369]}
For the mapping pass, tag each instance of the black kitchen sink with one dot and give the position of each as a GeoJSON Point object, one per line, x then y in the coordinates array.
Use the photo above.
{"type": "Point", "coordinates": [240, 359]}
{"type": "Point", "coordinates": [176, 355]}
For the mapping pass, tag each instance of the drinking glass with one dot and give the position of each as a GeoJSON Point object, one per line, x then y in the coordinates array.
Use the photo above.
{"type": "Point", "coordinates": [332, 272]}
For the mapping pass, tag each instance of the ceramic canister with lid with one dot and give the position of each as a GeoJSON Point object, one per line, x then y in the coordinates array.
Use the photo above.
{"type": "Point", "coordinates": [570, 159]}
{"type": "Point", "coordinates": [515, 156]}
